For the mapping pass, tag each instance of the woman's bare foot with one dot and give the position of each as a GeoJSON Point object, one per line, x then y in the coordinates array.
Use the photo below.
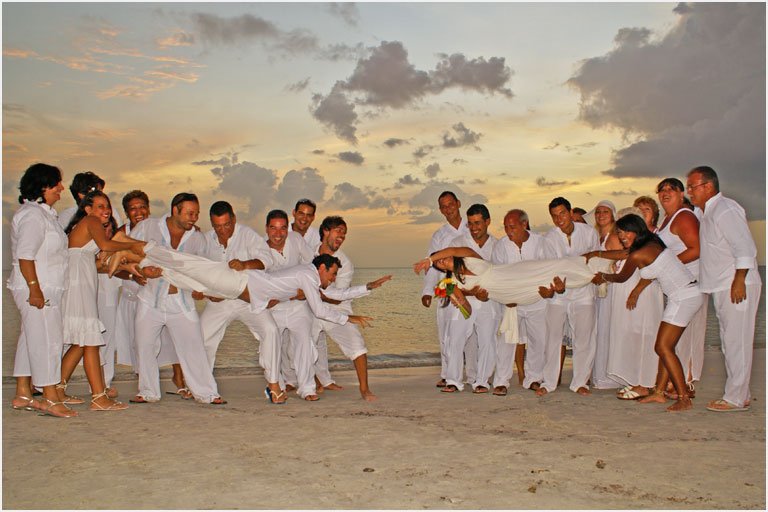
{"type": "Point", "coordinates": [57, 409]}
{"type": "Point", "coordinates": [101, 402]}
{"type": "Point", "coordinates": [583, 391]}
{"type": "Point", "coordinates": [311, 398]}
{"type": "Point", "coordinates": [681, 405]}
{"type": "Point", "coordinates": [368, 395]}
{"type": "Point", "coordinates": [333, 387]}
{"type": "Point", "coordinates": [541, 391]}
{"type": "Point", "coordinates": [653, 398]}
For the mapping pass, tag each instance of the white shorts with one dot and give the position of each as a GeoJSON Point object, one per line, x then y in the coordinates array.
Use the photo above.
{"type": "Point", "coordinates": [680, 310]}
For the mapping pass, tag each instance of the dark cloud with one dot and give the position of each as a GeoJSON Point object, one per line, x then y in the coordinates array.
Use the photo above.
{"type": "Point", "coordinates": [249, 181]}
{"type": "Point", "coordinates": [422, 151]}
{"type": "Point", "coordinates": [351, 157]}
{"type": "Point", "coordinates": [298, 184]}
{"type": "Point", "coordinates": [541, 181]}
{"type": "Point", "coordinates": [298, 86]}
{"type": "Point", "coordinates": [158, 205]}
{"type": "Point", "coordinates": [393, 141]}
{"type": "Point", "coordinates": [407, 180]}
{"type": "Point", "coordinates": [347, 196]}
{"type": "Point", "coordinates": [221, 161]}
{"type": "Point", "coordinates": [385, 78]}
{"type": "Point", "coordinates": [692, 96]}
{"type": "Point", "coordinates": [478, 181]}
{"type": "Point", "coordinates": [551, 146]}
{"type": "Point", "coordinates": [432, 170]}
{"type": "Point", "coordinates": [628, 192]}
{"type": "Point", "coordinates": [463, 137]}
{"type": "Point", "coordinates": [459, 161]}
{"type": "Point", "coordinates": [347, 11]}
{"type": "Point", "coordinates": [318, 151]}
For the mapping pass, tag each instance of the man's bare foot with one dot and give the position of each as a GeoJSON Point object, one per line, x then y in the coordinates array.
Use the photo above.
{"type": "Point", "coordinates": [534, 386]}
{"type": "Point", "coordinates": [368, 395]}
{"type": "Point", "coordinates": [289, 388]}
{"type": "Point", "coordinates": [310, 398]}
{"type": "Point", "coordinates": [541, 391]}
{"type": "Point", "coordinates": [333, 387]}
{"type": "Point", "coordinates": [681, 405]}
{"type": "Point", "coordinates": [653, 398]}
{"type": "Point", "coordinates": [441, 383]}
{"type": "Point", "coordinates": [583, 391]}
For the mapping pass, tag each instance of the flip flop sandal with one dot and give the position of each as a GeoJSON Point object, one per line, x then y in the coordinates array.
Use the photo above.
{"type": "Point", "coordinates": [500, 391]}
{"type": "Point", "coordinates": [449, 388]}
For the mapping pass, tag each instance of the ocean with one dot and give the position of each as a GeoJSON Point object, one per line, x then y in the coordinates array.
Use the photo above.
{"type": "Point", "coordinates": [403, 333]}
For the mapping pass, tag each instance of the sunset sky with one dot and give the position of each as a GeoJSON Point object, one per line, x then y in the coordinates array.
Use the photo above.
{"type": "Point", "coordinates": [373, 109]}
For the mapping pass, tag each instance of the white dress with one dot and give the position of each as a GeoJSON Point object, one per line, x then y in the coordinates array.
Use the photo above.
{"type": "Point", "coordinates": [600, 377]}
{"type": "Point", "coordinates": [81, 316]}
{"type": "Point", "coordinates": [632, 335]}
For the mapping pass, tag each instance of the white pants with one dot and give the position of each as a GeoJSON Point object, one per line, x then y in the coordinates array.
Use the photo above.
{"type": "Point", "coordinates": [41, 341]}
{"type": "Point", "coordinates": [483, 322]}
{"type": "Point", "coordinates": [737, 336]}
{"type": "Point", "coordinates": [108, 316]}
{"type": "Point", "coordinates": [600, 377]}
{"type": "Point", "coordinates": [186, 335]}
{"type": "Point", "coordinates": [125, 339]}
{"type": "Point", "coordinates": [581, 320]}
{"type": "Point", "coordinates": [347, 337]}
{"type": "Point", "coordinates": [532, 325]}
{"type": "Point", "coordinates": [322, 372]}
{"type": "Point", "coordinates": [295, 324]}
{"type": "Point", "coordinates": [218, 315]}
{"type": "Point", "coordinates": [690, 348]}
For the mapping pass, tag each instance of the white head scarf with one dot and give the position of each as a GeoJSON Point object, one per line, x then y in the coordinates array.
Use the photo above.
{"type": "Point", "coordinates": [590, 215]}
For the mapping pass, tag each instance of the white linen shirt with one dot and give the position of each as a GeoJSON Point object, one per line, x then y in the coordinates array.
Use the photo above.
{"type": "Point", "coordinates": [726, 245]}
{"type": "Point", "coordinates": [155, 293]}
{"type": "Point", "coordinates": [486, 253]}
{"type": "Point", "coordinates": [535, 248]}
{"type": "Point", "coordinates": [37, 236]}
{"type": "Point", "coordinates": [343, 281]}
{"type": "Point", "coordinates": [282, 285]}
{"type": "Point", "coordinates": [441, 239]}
{"type": "Point", "coordinates": [295, 252]}
{"type": "Point", "coordinates": [311, 237]}
{"type": "Point", "coordinates": [583, 239]}
{"type": "Point", "coordinates": [244, 244]}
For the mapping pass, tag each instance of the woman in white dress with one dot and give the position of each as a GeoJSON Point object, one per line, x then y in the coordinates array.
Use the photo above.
{"type": "Point", "coordinates": [82, 327]}
{"type": "Point", "coordinates": [37, 281]}
{"type": "Point", "coordinates": [603, 218]}
{"type": "Point", "coordinates": [648, 254]}
{"type": "Point", "coordinates": [680, 231]}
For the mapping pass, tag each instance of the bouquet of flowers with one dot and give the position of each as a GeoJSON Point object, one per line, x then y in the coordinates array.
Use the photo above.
{"type": "Point", "coordinates": [445, 289]}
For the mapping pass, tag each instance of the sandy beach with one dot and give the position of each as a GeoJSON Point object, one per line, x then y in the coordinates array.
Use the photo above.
{"type": "Point", "coordinates": [414, 448]}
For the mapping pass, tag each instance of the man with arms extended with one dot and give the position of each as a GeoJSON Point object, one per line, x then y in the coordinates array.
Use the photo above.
{"type": "Point", "coordinates": [728, 272]}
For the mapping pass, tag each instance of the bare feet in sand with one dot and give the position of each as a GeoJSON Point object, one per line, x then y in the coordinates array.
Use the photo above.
{"type": "Point", "coordinates": [289, 388]}
{"type": "Point", "coordinates": [681, 405]}
{"type": "Point", "coordinates": [541, 391]}
{"type": "Point", "coordinates": [583, 391]}
{"type": "Point", "coordinates": [653, 398]}
{"type": "Point", "coordinates": [309, 398]}
{"type": "Point", "coordinates": [333, 387]}
{"type": "Point", "coordinates": [368, 395]}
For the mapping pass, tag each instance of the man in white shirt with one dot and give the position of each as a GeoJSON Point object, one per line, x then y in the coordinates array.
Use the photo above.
{"type": "Point", "coordinates": [348, 337]}
{"type": "Point", "coordinates": [163, 305]}
{"type": "Point", "coordinates": [243, 249]}
{"type": "Point", "coordinates": [484, 320]}
{"type": "Point", "coordinates": [522, 245]}
{"type": "Point", "coordinates": [450, 207]}
{"type": "Point", "coordinates": [577, 305]}
{"type": "Point", "coordinates": [303, 216]}
{"type": "Point", "coordinates": [294, 319]}
{"type": "Point", "coordinates": [728, 272]}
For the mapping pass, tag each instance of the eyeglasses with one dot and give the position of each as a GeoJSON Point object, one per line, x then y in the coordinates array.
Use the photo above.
{"type": "Point", "coordinates": [691, 187]}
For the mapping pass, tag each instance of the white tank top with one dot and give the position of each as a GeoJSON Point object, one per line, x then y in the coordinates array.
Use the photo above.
{"type": "Point", "coordinates": [675, 244]}
{"type": "Point", "coordinates": [671, 274]}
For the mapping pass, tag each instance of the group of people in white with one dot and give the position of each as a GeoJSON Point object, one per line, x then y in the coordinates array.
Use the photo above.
{"type": "Point", "coordinates": [628, 293]}
{"type": "Point", "coordinates": [90, 288]}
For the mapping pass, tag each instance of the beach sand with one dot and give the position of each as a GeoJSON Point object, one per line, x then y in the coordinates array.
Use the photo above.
{"type": "Point", "coordinates": [414, 448]}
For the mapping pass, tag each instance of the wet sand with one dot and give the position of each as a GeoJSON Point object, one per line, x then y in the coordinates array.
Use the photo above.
{"type": "Point", "coordinates": [414, 448]}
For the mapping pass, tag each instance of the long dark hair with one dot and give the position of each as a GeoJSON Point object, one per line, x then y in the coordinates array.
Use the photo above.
{"type": "Point", "coordinates": [636, 224]}
{"type": "Point", "coordinates": [87, 201]}
{"type": "Point", "coordinates": [458, 270]}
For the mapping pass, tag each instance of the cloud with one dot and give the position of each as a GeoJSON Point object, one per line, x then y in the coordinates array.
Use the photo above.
{"type": "Point", "coordinates": [249, 181]}
{"type": "Point", "coordinates": [541, 181]}
{"type": "Point", "coordinates": [221, 161]}
{"type": "Point", "coordinates": [179, 38]}
{"type": "Point", "coordinates": [577, 148]}
{"type": "Point", "coordinates": [628, 192]}
{"type": "Point", "coordinates": [318, 151]}
{"type": "Point", "coordinates": [694, 95]}
{"type": "Point", "coordinates": [407, 181]}
{"type": "Point", "coordinates": [432, 170]}
{"type": "Point", "coordinates": [385, 78]}
{"type": "Point", "coordinates": [158, 205]}
{"type": "Point", "coordinates": [297, 86]}
{"type": "Point", "coordinates": [351, 157]}
{"type": "Point", "coordinates": [393, 142]}
{"type": "Point", "coordinates": [478, 181]}
{"type": "Point", "coordinates": [422, 151]}
{"type": "Point", "coordinates": [347, 11]}
{"type": "Point", "coordinates": [464, 137]}
{"type": "Point", "coordinates": [459, 161]}
{"type": "Point", "coordinates": [551, 146]}
{"type": "Point", "coordinates": [298, 184]}
{"type": "Point", "coordinates": [347, 196]}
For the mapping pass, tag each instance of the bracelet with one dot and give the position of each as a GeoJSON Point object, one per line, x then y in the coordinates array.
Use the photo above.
{"type": "Point", "coordinates": [30, 283]}
{"type": "Point", "coordinates": [429, 259]}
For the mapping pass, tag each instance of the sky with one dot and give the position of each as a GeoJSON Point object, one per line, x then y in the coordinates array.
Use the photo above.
{"type": "Point", "coordinates": [373, 109]}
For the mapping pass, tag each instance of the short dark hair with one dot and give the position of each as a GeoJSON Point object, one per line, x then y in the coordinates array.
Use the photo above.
{"type": "Point", "coordinates": [479, 209]}
{"type": "Point", "coordinates": [36, 179]}
{"type": "Point", "coordinates": [220, 208]}
{"type": "Point", "coordinates": [331, 222]}
{"type": "Point", "coordinates": [580, 211]}
{"type": "Point", "coordinates": [183, 197]}
{"type": "Point", "coordinates": [447, 193]}
{"type": "Point", "coordinates": [276, 214]}
{"type": "Point", "coordinates": [326, 259]}
{"type": "Point", "coordinates": [85, 182]}
{"type": "Point", "coordinates": [306, 202]}
{"type": "Point", "coordinates": [636, 224]}
{"type": "Point", "coordinates": [672, 182]}
{"type": "Point", "coordinates": [559, 201]}
{"type": "Point", "coordinates": [134, 194]}
{"type": "Point", "coordinates": [708, 174]}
